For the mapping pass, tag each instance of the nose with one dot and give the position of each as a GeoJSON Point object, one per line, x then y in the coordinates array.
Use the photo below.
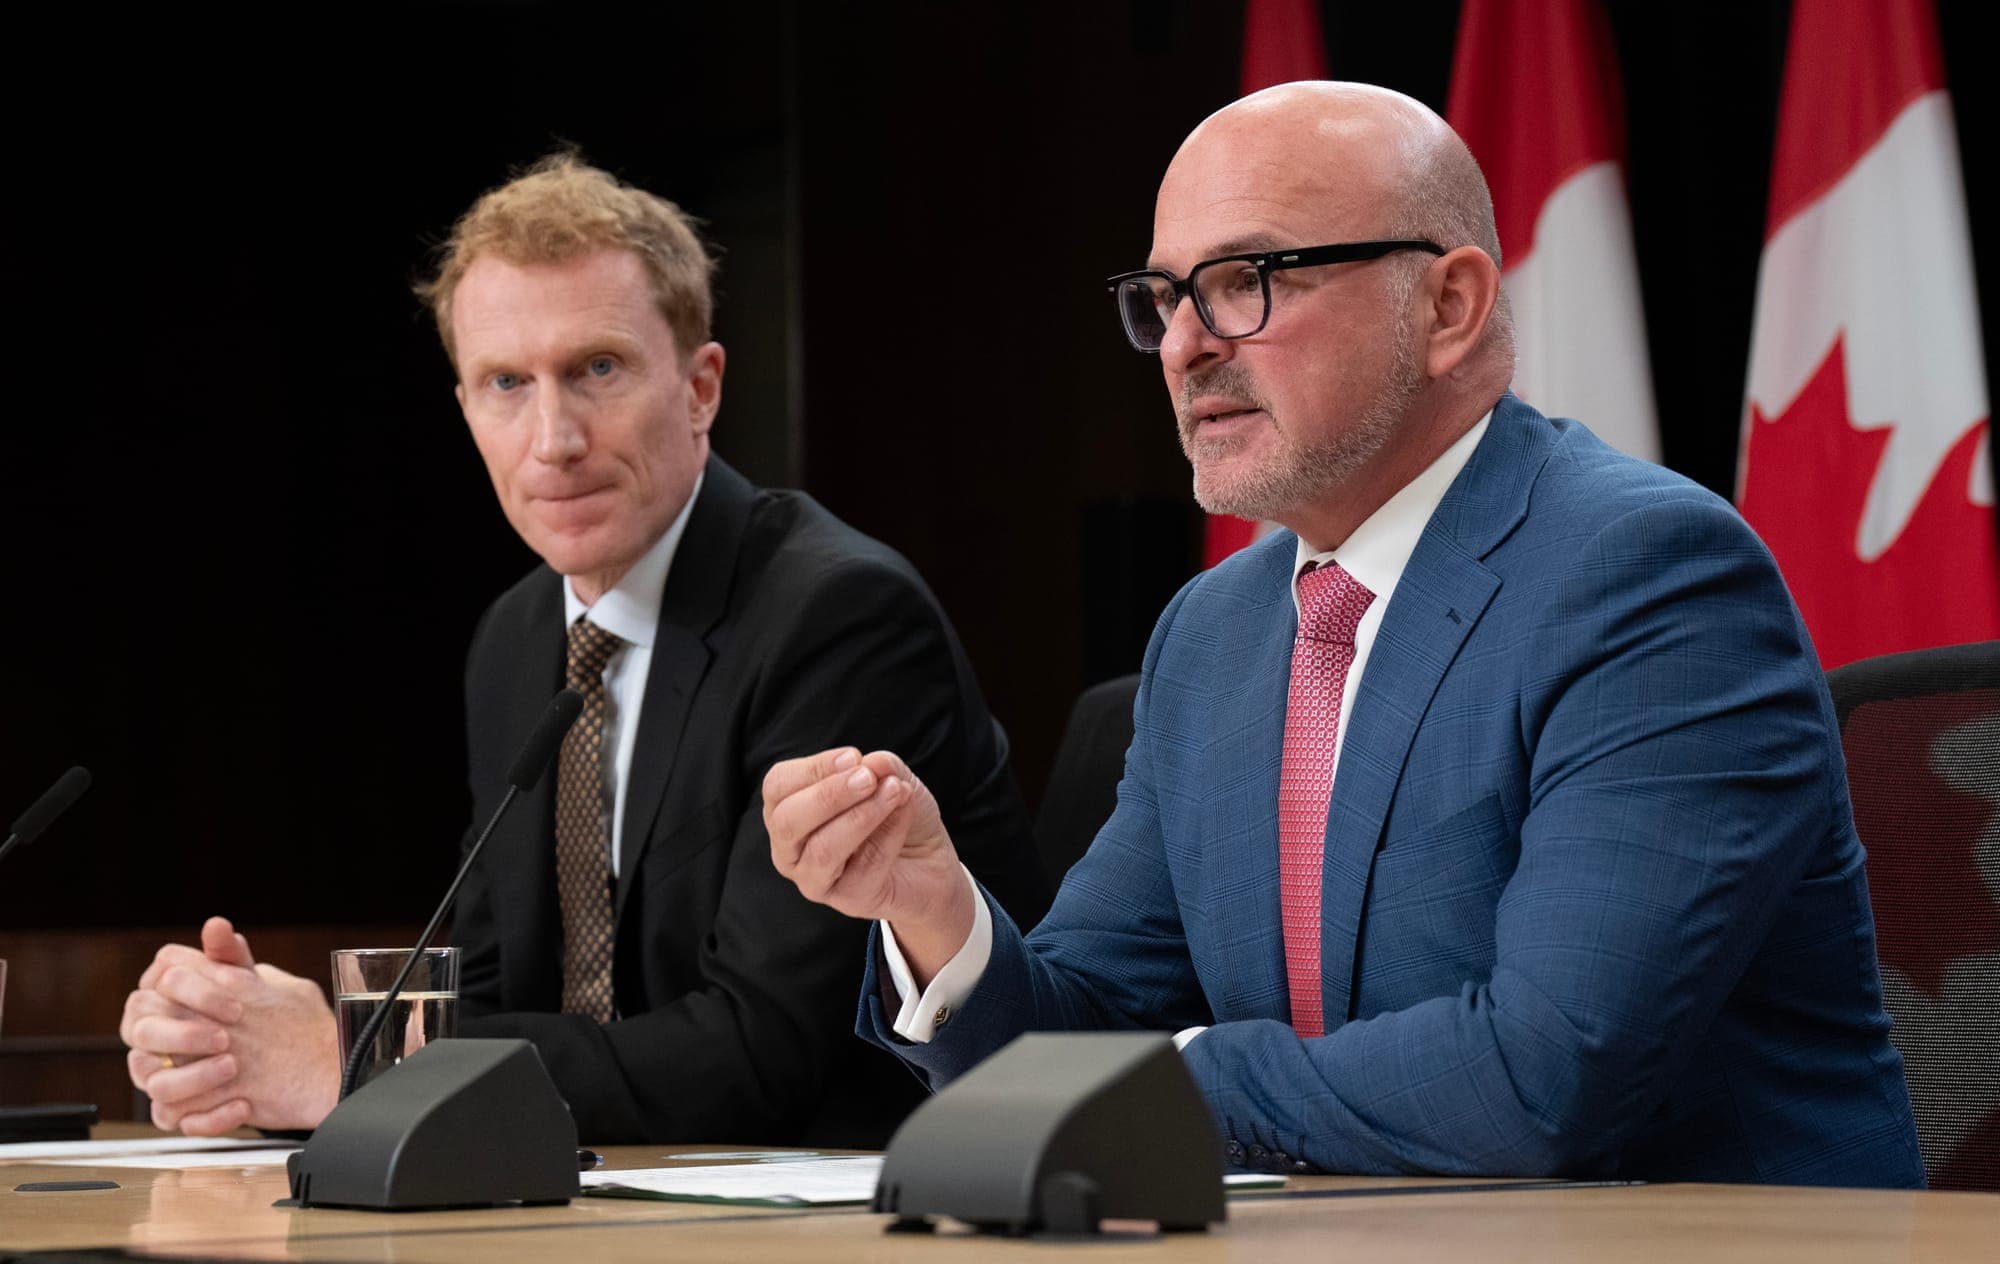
{"type": "Point", "coordinates": [1188, 344]}
{"type": "Point", "coordinates": [559, 437]}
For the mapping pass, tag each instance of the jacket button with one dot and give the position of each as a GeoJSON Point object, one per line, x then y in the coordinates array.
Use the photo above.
{"type": "Point", "coordinates": [1234, 1150]}
{"type": "Point", "coordinates": [1258, 1154]}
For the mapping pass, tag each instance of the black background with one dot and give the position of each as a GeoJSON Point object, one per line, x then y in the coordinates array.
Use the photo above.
{"type": "Point", "coordinates": [245, 538]}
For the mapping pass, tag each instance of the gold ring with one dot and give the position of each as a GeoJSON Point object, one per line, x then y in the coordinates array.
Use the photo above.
{"type": "Point", "coordinates": [167, 1061]}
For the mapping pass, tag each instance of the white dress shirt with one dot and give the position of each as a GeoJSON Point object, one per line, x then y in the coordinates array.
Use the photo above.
{"type": "Point", "coordinates": [1375, 554]}
{"type": "Point", "coordinates": [630, 610]}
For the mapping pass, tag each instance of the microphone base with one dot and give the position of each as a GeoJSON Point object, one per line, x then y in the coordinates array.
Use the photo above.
{"type": "Point", "coordinates": [1054, 1134]}
{"type": "Point", "coordinates": [53, 1121]}
{"type": "Point", "coordinates": [459, 1123]}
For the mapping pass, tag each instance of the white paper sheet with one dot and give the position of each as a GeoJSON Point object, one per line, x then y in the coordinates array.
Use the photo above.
{"type": "Point", "coordinates": [806, 1182]}
{"type": "Point", "coordinates": [130, 1145]}
{"type": "Point", "coordinates": [175, 1162]}
{"type": "Point", "coordinates": [811, 1183]}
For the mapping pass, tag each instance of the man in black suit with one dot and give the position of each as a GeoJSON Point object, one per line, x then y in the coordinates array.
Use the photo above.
{"type": "Point", "coordinates": [626, 917]}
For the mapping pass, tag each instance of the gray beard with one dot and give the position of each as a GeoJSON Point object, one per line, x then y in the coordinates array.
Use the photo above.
{"type": "Point", "coordinates": [1298, 474]}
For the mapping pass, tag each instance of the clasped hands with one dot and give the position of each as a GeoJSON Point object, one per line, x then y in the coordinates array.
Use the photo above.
{"type": "Point", "coordinates": [219, 1041]}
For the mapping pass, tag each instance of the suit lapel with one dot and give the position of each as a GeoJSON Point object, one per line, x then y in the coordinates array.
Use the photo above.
{"type": "Point", "coordinates": [1240, 829]}
{"type": "Point", "coordinates": [519, 861]}
{"type": "Point", "coordinates": [1443, 592]}
{"type": "Point", "coordinates": [693, 602]}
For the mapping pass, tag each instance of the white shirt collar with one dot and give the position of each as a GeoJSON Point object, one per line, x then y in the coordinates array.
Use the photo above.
{"type": "Point", "coordinates": [1378, 550]}
{"type": "Point", "coordinates": [631, 609]}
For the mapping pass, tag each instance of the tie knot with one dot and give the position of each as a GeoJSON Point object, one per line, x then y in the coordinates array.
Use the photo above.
{"type": "Point", "coordinates": [590, 648]}
{"type": "Point", "coordinates": [1331, 603]}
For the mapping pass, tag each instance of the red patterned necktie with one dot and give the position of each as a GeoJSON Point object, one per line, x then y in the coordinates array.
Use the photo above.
{"type": "Point", "coordinates": [1331, 603]}
{"type": "Point", "coordinates": [583, 830]}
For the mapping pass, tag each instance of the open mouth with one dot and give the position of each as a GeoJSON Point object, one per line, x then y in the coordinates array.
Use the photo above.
{"type": "Point", "coordinates": [1229, 415]}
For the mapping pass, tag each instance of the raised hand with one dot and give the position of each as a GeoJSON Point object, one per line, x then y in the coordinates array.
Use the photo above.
{"type": "Point", "coordinates": [862, 835]}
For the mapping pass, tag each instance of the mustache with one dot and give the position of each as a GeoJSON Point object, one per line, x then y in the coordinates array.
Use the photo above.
{"type": "Point", "coordinates": [1228, 379]}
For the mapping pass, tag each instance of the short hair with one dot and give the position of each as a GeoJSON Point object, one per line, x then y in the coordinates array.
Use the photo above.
{"type": "Point", "coordinates": [1447, 201]}
{"type": "Point", "coordinates": [562, 208]}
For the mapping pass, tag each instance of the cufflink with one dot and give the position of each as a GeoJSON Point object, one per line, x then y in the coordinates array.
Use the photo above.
{"type": "Point", "coordinates": [942, 1016]}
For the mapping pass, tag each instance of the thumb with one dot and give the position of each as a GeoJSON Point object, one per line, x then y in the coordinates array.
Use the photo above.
{"type": "Point", "coordinates": [221, 943]}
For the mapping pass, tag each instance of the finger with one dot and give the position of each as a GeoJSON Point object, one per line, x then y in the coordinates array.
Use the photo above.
{"type": "Point", "coordinates": [142, 1004]}
{"type": "Point", "coordinates": [207, 989]}
{"type": "Point", "coordinates": [173, 1114]}
{"type": "Point", "coordinates": [830, 848]}
{"type": "Point", "coordinates": [227, 1117]}
{"type": "Point", "coordinates": [221, 942]}
{"type": "Point", "coordinates": [789, 776]}
{"type": "Point", "coordinates": [169, 956]}
{"type": "Point", "coordinates": [168, 1112]}
{"type": "Point", "coordinates": [143, 1064]}
{"type": "Point", "coordinates": [193, 1085]}
{"type": "Point", "coordinates": [886, 764]}
{"type": "Point", "coordinates": [811, 807]}
{"type": "Point", "coordinates": [140, 1066]}
{"type": "Point", "coordinates": [861, 886]}
{"type": "Point", "coordinates": [179, 1037]}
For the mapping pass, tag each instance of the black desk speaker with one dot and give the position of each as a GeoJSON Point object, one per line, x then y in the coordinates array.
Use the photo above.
{"type": "Point", "coordinates": [1056, 1132]}
{"type": "Point", "coordinates": [459, 1123]}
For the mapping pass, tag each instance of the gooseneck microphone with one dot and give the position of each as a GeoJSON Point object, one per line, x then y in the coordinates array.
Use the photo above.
{"type": "Point", "coordinates": [55, 801]}
{"type": "Point", "coordinates": [527, 770]}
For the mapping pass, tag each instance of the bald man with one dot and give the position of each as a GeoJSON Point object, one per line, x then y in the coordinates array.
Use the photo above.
{"type": "Point", "coordinates": [1488, 819]}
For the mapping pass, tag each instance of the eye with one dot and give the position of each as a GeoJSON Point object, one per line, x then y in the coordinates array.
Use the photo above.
{"type": "Point", "coordinates": [504, 381]}
{"type": "Point", "coordinates": [601, 366]}
{"type": "Point", "coordinates": [1241, 278]}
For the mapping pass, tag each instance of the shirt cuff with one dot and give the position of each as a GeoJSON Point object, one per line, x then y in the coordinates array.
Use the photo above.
{"type": "Point", "coordinates": [921, 1016]}
{"type": "Point", "coordinates": [1185, 1036]}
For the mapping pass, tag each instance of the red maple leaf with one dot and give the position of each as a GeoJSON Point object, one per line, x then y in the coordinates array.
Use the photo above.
{"type": "Point", "coordinates": [1931, 906]}
{"type": "Point", "coordinates": [1806, 481]}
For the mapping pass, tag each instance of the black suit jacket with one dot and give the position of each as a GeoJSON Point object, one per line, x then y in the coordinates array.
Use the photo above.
{"type": "Point", "coordinates": [782, 632]}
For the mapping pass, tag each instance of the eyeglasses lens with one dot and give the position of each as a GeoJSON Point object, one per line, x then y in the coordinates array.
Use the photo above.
{"type": "Point", "coordinates": [1232, 296]}
{"type": "Point", "coordinates": [1146, 304]}
{"type": "Point", "coordinates": [1229, 293]}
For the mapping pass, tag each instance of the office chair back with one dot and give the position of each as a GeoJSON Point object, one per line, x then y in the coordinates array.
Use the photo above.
{"type": "Point", "coordinates": [1922, 736]}
{"type": "Point", "coordinates": [1083, 783]}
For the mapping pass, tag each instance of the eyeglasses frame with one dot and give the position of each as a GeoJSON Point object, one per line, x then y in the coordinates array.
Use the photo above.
{"type": "Point", "coordinates": [1267, 262]}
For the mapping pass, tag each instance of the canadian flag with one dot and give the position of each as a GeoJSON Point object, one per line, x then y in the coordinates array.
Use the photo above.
{"type": "Point", "coordinates": [1535, 93]}
{"type": "Point", "coordinates": [1864, 456]}
{"type": "Point", "coordinates": [1282, 43]}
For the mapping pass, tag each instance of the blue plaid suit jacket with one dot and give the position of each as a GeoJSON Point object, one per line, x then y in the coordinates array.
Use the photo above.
{"type": "Point", "coordinates": [1593, 901]}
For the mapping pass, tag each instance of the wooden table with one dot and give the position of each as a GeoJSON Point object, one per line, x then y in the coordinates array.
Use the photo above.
{"type": "Point", "coordinates": [227, 1213]}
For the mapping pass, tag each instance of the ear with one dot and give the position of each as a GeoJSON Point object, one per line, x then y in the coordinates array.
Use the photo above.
{"type": "Point", "coordinates": [704, 380]}
{"type": "Point", "coordinates": [459, 391]}
{"type": "Point", "coordinates": [1459, 292]}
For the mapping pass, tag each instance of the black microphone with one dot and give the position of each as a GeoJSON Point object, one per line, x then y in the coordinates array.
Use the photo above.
{"type": "Point", "coordinates": [55, 801]}
{"type": "Point", "coordinates": [541, 744]}
{"type": "Point", "coordinates": [527, 770]}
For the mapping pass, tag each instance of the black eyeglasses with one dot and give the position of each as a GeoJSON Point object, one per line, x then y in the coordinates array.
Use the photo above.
{"type": "Point", "coordinates": [1232, 295]}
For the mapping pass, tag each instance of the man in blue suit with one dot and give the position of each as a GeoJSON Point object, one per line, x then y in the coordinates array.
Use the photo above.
{"type": "Point", "coordinates": [1491, 818]}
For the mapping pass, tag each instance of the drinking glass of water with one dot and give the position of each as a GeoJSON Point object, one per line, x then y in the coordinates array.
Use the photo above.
{"type": "Point", "coordinates": [426, 1009]}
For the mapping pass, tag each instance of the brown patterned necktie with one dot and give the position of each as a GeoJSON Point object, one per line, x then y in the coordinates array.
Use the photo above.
{"type": "Point", "coordinates": [583, 829]}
